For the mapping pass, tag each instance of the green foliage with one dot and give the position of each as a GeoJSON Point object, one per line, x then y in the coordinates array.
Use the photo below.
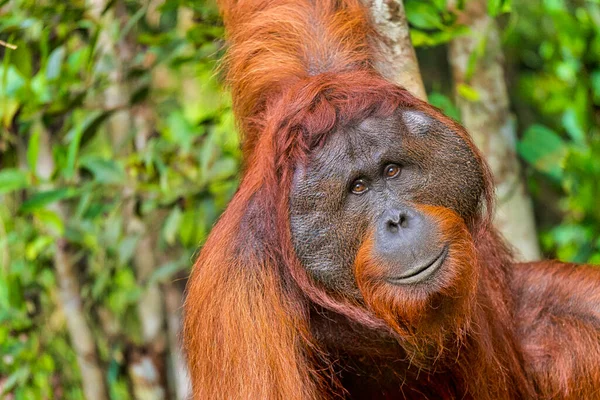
{"type": "Point", "coordinates": [432, 22]}
{"type": "Point", "coordinates": [557, 44]}
{"type": "Point", "coordinates": [445, 104]}
{"type": "Point", "coordinates": [544, 150]}
{"type": "Point", "coordinates": [59, 147]}
{"type": "Point", "coordinates": [115, 125]}
{"type": "Point", "coordinates": [435, 22]}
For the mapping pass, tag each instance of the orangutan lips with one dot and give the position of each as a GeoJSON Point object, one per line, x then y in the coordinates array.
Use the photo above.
{"type": "Point", "coordinates": [419, 274]}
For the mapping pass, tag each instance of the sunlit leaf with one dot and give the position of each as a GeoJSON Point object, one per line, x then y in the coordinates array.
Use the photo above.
{"type": "Point", "coordinates": [496, 7]}
{"type": "Point", "coordinates": [51, 221]}
{"type": "Point", "coordinates": [467, 92]}
{"type": "Point", "coordinates": [12, 179]}
{"type": "Point", "coordinates": [41, 243]}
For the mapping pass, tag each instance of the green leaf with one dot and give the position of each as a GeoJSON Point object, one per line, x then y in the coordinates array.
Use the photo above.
{"type": "Point", "coordinates": [43, 199]}
{"type": "Point", "coordinates": [595, 81]}
{"type": "Point", "coordinates": [8, 110]}
{"type": "Point", "coordinates": [104, 171]}
{"type": "Point", "coordinates": [22, 59]}
{"type": "Point", "coordinates": [496, 7]}
{"type": "Point", "coordinates": [573, 126]}
{"type": "Point", "coordinates": [165, 272]}
{"type": "Point", "coordinates": [555, 5]}
{"type": "Point", "coordinates": [75, 135]}
{"type": "Point", "coordinates": [77, 60]}
{"type": "Point", "coordinates": [222, 169]}
{"type": "Point", "coordinates": [180, 131]}
{"type": "Point", "coordinates": [33, 147]}
{"type": "Point", "coordinates": [188, 228]}
{"type": "Point", "coordinates": [35, 248]}
{"type": "Point", "coordinates": [423, 15]}
{"type": "Point", "coordinates": [41, 89]}
{"type": "Point", "coordinates": [55, 62]}
{"type": "Point", "coordinates": [171, 226]}
{"type": "Point", "coordinates": [127, 248]}
{"type": "Point", "coordinates": [438, 100]}
{"type": "Point", "coordinates": [476, 55]}
{"type": "Point", "coordinates": [544, 150]}
{"type": "Point", "coordinates": [467, 92]}
{"type": "Point", "coordinates": [11, 81]}
{"type": "Point", "coordinates": [17, 378]}
{"type": "Point", "coordinates": [12, 179]}
{"type": "Point", "coordinates": [51, 221]}
{"type": "Point", "coordinates": [440, 4]}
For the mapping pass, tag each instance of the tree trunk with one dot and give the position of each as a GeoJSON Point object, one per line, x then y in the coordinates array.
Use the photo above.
{"type": "Point", "coordinates": [399, 62]}
{"type": "Point", "coordinates": [180, 374]}
{"type": "Point", "coordinates": [92, 376]}
{"type": "Point", "coordinates": [113, 54]}
{"type": "Point", "coordinates": [490, 123]}
{"type": "Point", "coordinates": [80, 332]}
{"type": "Point", "coordinates": [146, 366]}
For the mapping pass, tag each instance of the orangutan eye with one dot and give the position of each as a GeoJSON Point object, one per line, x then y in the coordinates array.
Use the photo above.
{"type": "Point", "coordinates": [391, 171]}
{"type": "Point", "coordinates": [359, 186]}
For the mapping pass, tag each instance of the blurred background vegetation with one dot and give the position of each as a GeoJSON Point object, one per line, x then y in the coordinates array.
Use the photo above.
{"type": "Point", "coordinates": [118, 151]}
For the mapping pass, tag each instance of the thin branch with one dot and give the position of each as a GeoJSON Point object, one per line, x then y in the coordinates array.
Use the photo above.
{"type": "Point", "coordinates": [8, 45]}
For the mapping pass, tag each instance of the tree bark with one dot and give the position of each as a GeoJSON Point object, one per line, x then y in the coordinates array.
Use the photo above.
{"type": "Point", "coordinates": [147, 369]}
{"type": "Point", "coordinates": [181, 380]}
{"type": "Point", "coordinates": [399, 62]}
{"type": "Point", "coordinates": [80, 332]}
{"type": "Point", "coordinates": [490, 123]}
{"type": "Point", "coordinates": [113, 54]}
{"type": "Point", "coordinates": [146, 366]}
{"type": "Point", "coordinates": [92, 376]}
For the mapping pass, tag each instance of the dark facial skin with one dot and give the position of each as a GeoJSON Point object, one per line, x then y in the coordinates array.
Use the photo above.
{"type": "Point", "coordinates": [366, 182]}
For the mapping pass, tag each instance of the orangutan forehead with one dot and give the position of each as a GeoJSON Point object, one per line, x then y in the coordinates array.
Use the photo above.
{"type": "Point", "coordinates": [372, 139]}
{"type": "Point", "coordinates": [412, 121]}
{"type": "Point", "coordinates": [375, 131]}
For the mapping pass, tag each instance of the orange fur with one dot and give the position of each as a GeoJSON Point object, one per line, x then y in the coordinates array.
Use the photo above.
{"type": "Point", "coordinates": [245, 337]}
{"type": "Point", "coordinates": [299, 69]}
{"type": "Point", "coordinates": [559, 310]}
{"type": "Point", "coordinates": [273, 44]}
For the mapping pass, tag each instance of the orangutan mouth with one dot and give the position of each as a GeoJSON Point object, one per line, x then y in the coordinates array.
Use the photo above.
{"type": "Point", "coordinates": [419, 274]}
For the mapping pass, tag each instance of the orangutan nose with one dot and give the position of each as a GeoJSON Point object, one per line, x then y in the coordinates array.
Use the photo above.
{"type": "Point", "coordinates": [408, 244]}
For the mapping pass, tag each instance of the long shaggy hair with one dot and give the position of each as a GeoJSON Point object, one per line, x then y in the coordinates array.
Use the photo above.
{"type": "Point", "coordinates": [297, 70]}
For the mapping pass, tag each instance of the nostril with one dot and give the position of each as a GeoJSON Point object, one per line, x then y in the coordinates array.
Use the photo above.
{"type": "Point", "coordinates": [403, 221]}
{"type": "Point", "coordinates": [396, 221]}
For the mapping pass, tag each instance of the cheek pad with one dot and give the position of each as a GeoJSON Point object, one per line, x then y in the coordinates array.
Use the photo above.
{"type": "Point", "coordinates": [326, 244]}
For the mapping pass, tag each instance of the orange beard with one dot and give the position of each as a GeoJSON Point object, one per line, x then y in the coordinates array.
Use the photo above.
{"type": "Point", "coordinates": [433, 315]}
